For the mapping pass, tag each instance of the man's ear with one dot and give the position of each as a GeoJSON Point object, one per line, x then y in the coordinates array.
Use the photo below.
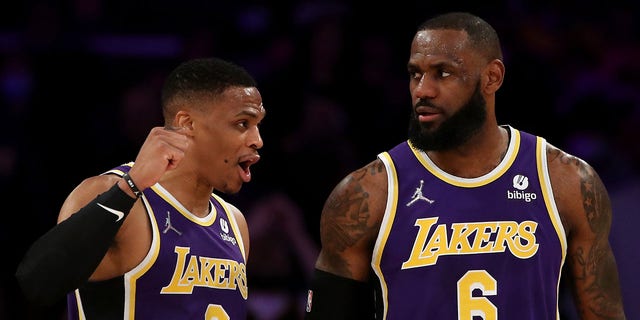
{"type": "Point", "coordinates": [494, 75]}
{"type": "Point", "coordinates": [184, 120]}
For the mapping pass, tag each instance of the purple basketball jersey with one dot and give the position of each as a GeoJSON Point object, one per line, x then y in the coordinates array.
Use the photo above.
{"type": "Point", "coordinates": [483, 248]}
{"type": "Point", "coordinates": [195, 268]}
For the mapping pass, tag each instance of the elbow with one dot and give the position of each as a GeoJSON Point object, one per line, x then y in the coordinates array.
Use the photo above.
{"type": "Point", "coordinates": [38, 286]}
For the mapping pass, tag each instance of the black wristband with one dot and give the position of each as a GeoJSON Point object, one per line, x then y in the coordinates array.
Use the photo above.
{"type": "Point", "coordinates": [339, 298]}
{"type": "Point", "coordinates": [66, 256]}
{"type": "Point", "coordinates": [131, 184]}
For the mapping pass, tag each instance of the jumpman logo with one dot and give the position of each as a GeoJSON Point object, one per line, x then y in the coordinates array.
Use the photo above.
{"type": "Point", "coordinates": [418, 195]}
{"type": "Point", "coordinates": [168, 225]}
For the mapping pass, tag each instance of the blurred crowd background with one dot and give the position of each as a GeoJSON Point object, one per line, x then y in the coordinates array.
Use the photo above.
{"type": "Point", "coordinates": [80, 84]}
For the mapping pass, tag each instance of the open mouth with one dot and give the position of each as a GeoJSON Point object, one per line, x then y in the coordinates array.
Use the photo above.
{"type": "Point", "coordinates": [244, 164]}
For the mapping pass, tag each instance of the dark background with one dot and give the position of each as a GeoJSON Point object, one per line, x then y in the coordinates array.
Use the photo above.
{"type": "Point", "coordinates": [80, 83]}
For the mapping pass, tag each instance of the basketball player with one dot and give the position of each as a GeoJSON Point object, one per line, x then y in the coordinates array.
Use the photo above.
{"type": "Point", "coordinates": [149, 239]}
{"type": "Point", "coordinates": [467, 219]}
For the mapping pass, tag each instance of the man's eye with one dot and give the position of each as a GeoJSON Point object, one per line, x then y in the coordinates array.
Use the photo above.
{"type": "Point", "coordinates": [444, 74]}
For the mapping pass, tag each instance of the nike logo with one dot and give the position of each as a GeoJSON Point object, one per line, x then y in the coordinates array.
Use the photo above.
{"type": "Point", "coordinates": [118, 214]}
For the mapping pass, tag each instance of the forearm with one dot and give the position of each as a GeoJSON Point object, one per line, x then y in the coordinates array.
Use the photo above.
{"type": "Point", "coordinates": [597, 287]}
{"type": "Point", "coordinates": [66, 256]}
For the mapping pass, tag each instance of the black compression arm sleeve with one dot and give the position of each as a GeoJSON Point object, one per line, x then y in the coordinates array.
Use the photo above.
{"type": "Point", "coordinates": [338, 298]}
{"type": "Point", "coordinates": [66, 256]}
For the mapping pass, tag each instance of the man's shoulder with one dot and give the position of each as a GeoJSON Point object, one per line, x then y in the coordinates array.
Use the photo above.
{"type": "Point", "coordinates": [119, 169]}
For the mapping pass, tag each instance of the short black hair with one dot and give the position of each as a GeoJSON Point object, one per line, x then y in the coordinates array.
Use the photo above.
{"type": "Point", "coordinates": [482, 36]}
{"type": "Point", "coordinates": [202, 77]}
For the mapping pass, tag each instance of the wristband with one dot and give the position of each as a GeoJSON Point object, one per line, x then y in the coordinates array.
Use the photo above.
{"type": "Point", "coordinates": [339, 298]}
{"type": "Point", "coordinates": [131, 184]}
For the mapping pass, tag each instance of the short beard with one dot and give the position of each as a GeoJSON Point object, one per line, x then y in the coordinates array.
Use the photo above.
{"type": "Point", "coordinates": [453, 132]}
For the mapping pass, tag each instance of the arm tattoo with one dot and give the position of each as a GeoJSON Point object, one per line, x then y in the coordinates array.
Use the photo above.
{"type": "Point", "coordinates": [597, 265]}
{"type": "Point", "coordinates": [594, 200]}
{"type": "Point", "coordinates": [600, 262]}
{"type": "Point", "coordinates": [345, 218]}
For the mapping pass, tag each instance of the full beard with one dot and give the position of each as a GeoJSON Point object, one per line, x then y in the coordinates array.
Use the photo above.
{"type": "Point", "coordinates": [453, 132]}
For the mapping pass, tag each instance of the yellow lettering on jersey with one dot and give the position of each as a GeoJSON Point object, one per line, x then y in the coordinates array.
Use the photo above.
{"type": "Point", "coordinates": [470, 238]}
{"type": "Point", "coordinates": [206, 264]}
{"type": "Point", "coordinates": [460, 238]}
{"type": "Point", "coordinates": [206, 272]}
{"type": "Point", "coordinates": [481, 243]}
{"type": "Point", "coordinates": [526, 232]}
{"type": "Point", "coordinates": [506, 232]}
{"type": "Point", "coordinates": [424, 225]}
{"type": "Point", "coordinates": [438, 243]}
{"type": "Point", "coordinates": [191, 274]}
